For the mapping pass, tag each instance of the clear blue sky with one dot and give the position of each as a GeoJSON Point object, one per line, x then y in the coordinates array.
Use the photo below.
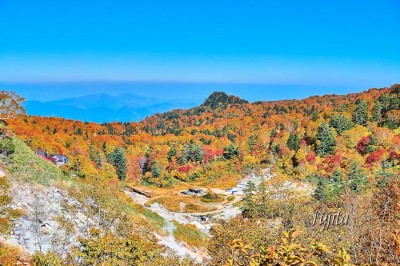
{"type": "Point", "coordinates": [341, 43]}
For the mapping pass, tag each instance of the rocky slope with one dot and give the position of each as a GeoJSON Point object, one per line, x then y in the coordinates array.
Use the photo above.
{"type": "Point", "coordinates": [51, 221]}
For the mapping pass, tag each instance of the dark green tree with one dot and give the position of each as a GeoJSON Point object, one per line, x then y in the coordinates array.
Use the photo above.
{"type": "Point", "coordinates": [325, 140]}
{"type": "Point", "coordinates": [195, 153]}
{"type": "Point", "coordinates": [313, 113]}
{"type": "Point", "coordinates": [340, 123]}
{"type": "Point", "coordinates": [94, 156]}
{"type": "Point", "coordinates": [293, 142]}
{"type": "Point", "coordinates": [328, 189]}
{"type": "Point", "coordinates": [377, 112]}
{"type": "Point", "coordinates": [320, 191]}
{"type": "Point", "coordinates": [251, 142]}
{"type": "Point", "coordinates": [171, 153]}
{"type": "Point", "coordinates": [191, 152]}
{"type": "Point", "coordinates": [110, 129]}
{"type": "Point", "coordinates": [230, 152]}
{"type": "Point", "coordinates": [356, 179]}
{"type": "Point", "coordinates": [118, 160]}
{"type": "Point", "coordinates": [155, 170]}
{"type": "Point", "coordinates": [129, 129]}
{"type": "Point", "coordinates": [373, 144]}
{"type": "Point", "coordinates": [336, 183]}
{"type": "Point", "coordinates": [360, 115]}
{"type": "Point", "coordinates": [249, 203]}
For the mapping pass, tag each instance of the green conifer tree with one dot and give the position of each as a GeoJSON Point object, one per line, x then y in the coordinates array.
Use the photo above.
{"type": "Point", "coordinates": [360, 115]}
{"type": "Point", "coordinates": [118, 160]}
{"type": "Point", "coordinates": [325, 140]}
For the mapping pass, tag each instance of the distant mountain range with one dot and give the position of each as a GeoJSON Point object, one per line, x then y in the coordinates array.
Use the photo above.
{"type": "Point", "coordinates": [105, 108]}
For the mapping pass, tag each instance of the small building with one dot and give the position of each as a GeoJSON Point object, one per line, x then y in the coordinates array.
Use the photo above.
{"type": "Point", "coordinates": [193, 192]}
{"type": "Point", "coordinates": [196, 190]}
{"type": "Point", "coordinates": [41, 153]}
{"type": "Point", "coordinates": [232, 190]}
{"type": "Point", "coordinates": [59, 159]}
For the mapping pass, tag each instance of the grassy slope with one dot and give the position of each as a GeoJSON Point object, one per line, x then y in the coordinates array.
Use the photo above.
{"type": "Point", "coordinates": [27, 167]}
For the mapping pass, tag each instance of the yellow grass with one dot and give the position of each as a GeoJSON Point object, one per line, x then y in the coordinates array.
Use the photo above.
{"type": "Point", "coordinates": [189, 234]}
{"type": "Point", "coordinates": [177, 203]}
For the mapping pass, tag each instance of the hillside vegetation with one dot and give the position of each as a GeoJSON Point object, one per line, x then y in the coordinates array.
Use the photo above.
{"type": "Point", "coordinates": [345, 147]}
{"type": "Point", "coordinates": [48, 218]}
{"type": "Point", "coordinates": [226, 135]}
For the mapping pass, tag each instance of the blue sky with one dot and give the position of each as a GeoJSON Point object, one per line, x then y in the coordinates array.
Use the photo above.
{"type": "Point", "coordinates": [347, 45]}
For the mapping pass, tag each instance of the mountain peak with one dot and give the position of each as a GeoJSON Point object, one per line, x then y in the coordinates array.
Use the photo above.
{"type": "Point", "coordinates": [221, 99]}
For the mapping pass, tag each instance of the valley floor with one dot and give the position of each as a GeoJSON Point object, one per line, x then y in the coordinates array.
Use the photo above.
{"type": "Point", "coordinates": [203, 221]}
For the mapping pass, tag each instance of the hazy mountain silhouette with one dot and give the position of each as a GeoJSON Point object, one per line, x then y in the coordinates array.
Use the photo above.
{"type": "Point", "coordinates": [105, 108]}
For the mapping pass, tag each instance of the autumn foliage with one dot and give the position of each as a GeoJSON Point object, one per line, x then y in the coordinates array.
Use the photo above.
{"type": "Point", "coordinates": [346, 146]}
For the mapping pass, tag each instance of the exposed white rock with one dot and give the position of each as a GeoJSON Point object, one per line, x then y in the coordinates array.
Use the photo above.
{"type": "Point", "coordinates": [39, 228]}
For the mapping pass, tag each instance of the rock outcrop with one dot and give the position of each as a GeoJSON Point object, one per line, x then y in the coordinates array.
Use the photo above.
{"type": "Point", "coordinates": [51, 220]}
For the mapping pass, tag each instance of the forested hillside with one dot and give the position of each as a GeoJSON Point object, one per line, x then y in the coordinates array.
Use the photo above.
{"type": "Point", "coordinates": [328, 154]}
{"type": "Point", "coordinates": [315, 136]}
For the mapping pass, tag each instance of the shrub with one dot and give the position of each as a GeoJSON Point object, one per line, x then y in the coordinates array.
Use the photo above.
{"type": "Point", "coordinates": [230, 198]}
{"type": "Point", "coordinates": [288, 251]}
{"type": "Point", "coordinates": [211, 197]}
{"type": "Point", "coordinates": [48, 259]}
{"type": "Point", "coordinates": [7, 146]}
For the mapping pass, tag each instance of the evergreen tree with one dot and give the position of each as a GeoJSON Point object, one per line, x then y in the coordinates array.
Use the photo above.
{"type": "Point", "coordinates": [360, 115]}
{"type": "Point", "coordinates": [313, 113]}
{"type": "Point", "coordinates": [293, 142]}
{"type": "Point", "coordinates": [385, 100]}
{"type": "Point", "coordinates": [325, 140]}
{"type": "Point", "coordinates": [251, 142]}
{"type": "Point", "coordinates": [320, 190]}
{"type": "Point", "coordinates": [191, 152]}
{"type": "Point", "coordinates": [377, 112]}
{"type": "Point", "coordinates": [328, 189]}
{"type": "Point", "coordinates": [171, 153]}
{"type": "Point", "coordinates": [94, 156]}
{"type": "Point", "coordinates": [155, 170]}
{"type": "Point", "coordinates": [340, 123]}
{"type": "Point", "coordinates": [336, 181]}
{"type": "Point", "coordinates": [395, 102]}
{"type": "Point", "coordinates": [373, 144]}
{"type": "Point", "coordinates": [110, 129]}
{"type": "Point", "coordinates": [356, 179]}
{"type": "Point", "coordinates": [118, 160]}
{"type": "Point", "coordinates": [195, 153]}
{"type": "Point", "coordinates": [230, 152]}
{"type": "Point", "coordinates": [129, 129]}
{"type": "Point", "coordinates": [264, 199]}
{"type": "Point", "coordinates": [249, 204]}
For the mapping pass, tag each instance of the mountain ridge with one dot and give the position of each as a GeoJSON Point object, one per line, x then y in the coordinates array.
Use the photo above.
{"type": "Point", "coordinates": [101, 108]}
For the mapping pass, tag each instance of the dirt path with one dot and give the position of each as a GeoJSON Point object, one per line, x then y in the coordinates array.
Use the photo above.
{"type": "Point", "coordinates": [224, 206]}
{"type": "Point", "coordinates": [202, 220]}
